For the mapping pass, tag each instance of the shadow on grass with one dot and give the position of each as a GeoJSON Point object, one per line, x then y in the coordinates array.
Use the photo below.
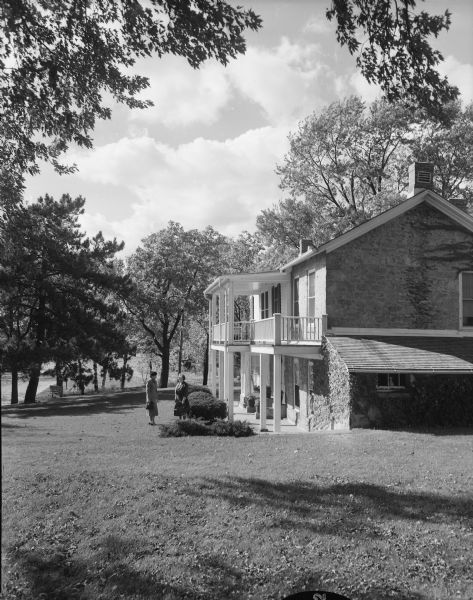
{"type": "Point", "coordinates": [112, 573]}
{"type": "Point", "coordinates": [119, 402]}
{"type": "Point", "coordinates": [345, 509]}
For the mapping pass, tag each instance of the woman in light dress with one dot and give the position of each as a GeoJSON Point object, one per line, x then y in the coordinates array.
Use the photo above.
{"type": "Point", "coordinates": [152, 397]}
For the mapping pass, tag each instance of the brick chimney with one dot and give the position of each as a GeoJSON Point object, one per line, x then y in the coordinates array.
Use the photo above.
{"type": "Point", "coordinates": [421, 177]}
{"type": "Point", "coordinates": [305, 245]}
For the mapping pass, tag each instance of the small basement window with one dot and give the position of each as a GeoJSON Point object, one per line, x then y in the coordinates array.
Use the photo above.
{"type": "Point", "coordinates": [392, 381]}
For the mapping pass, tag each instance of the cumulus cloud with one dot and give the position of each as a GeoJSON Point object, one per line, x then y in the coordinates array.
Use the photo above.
{"type": "Point", "coordinates": [459, 74]}
{"type": "Point", "coordinates": [203, 182]}
{"type": "Point", "coordinates": [286, 82]}
{"type": "Point", "coordinates": [182, 95]}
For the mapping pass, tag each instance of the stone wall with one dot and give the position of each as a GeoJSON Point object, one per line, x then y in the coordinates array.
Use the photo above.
{"type": "Point", "coordinates": [429, 401]}
{"type": "Point", "coordinates": [403, 274]}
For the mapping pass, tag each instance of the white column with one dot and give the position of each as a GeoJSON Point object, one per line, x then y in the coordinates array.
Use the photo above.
{"type": "Point", "coordinates": [228, 382]}
{"type": "Point", "coordinates": [231, 312]}
{"type": "Point", "coordinates": [277, 392]}
{"type": "Point", "coordinates": [264, 377]}
{"type": "Point", "coordinates": [245, 375]}
{"type": "Point", "coordinates": [221, 371]}
{"type": "Point", "coordinates": [213, 371]}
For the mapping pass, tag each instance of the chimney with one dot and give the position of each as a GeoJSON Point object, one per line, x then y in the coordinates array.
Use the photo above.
{"type": "Point", "coordinates": [421, 177]}
{"type": "Point", "coordinates": [461, 203]}
{"type": "Point", "coordinates": [304, 246]}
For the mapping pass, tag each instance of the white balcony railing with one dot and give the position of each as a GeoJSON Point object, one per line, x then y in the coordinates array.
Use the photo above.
{"type": "Point", "coordinates": [276, 330]}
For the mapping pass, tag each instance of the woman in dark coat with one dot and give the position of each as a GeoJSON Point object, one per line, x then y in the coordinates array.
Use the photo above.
{"type": "Point", "coordinates": [182, 407]}
{"type": "Point", "coordinates": [152, 397]}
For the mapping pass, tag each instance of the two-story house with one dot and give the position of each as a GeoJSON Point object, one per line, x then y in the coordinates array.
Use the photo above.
{"type": "Point", "coordinates": [373, 328]}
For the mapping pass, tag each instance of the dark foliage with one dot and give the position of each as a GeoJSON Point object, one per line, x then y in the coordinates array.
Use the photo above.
{"type": "Point", "coordinates": [205, 406]}
{"type": "Point", "coordinates": [193, 427]}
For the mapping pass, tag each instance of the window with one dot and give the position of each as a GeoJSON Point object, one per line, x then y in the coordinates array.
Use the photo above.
{"type": "Point", "coordinates": [295, 297]}
{"type": "Point", "coordinates": [466, 293]}
{"type": "Point", "coordinates": [276, 298]}
{"type": "Point", "coordinates": [264, 305]}
{"type": "Point", "coordinates": [311, 294]}
{"type": "Point", "coordinates": [389, 381]}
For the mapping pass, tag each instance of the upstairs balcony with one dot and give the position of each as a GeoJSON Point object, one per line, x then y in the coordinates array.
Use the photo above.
{"type": "Point", "coordinates": [277, 330]}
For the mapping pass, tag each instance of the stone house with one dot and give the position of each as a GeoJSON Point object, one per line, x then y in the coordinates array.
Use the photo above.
{"type": "Point", "coordinates": [372, 329]}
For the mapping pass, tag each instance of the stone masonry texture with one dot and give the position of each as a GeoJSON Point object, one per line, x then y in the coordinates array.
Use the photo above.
{"type": "Point", "coordinates": [404, 274]}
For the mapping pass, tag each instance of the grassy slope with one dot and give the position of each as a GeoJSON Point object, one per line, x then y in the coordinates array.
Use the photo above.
{"type": "Point", "coordinates": [97, 505]}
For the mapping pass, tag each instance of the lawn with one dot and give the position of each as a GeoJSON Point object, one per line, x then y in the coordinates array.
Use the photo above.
{"type": "Point", "coordinates": [96, 505]}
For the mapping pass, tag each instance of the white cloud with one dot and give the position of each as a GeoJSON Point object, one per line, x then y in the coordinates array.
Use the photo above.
{"type": "Point", "coordinates": [319, 25]}
{"type": "Point", "coordinates": [183, 95]}
{"type": "Point", "coordinates": [459, 74]}
{"type": "Point", "coordinates": [287, 82]}
{"type": "Point", "coordinates": [204, 182]}
{"type": "Point", "coordinates": [367, 91]}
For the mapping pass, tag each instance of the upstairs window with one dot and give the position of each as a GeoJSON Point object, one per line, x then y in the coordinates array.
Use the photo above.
{"type": "Point", "coordinates": [264, 305]}
{"type": "Point", "coordinates": [466, 300]}
{"type": "Point", "coordinates": [311, 294]}
{"type": "Point", "coordinates": [295, 297]}
{"type": "Point", "coordinates": [276, 298]}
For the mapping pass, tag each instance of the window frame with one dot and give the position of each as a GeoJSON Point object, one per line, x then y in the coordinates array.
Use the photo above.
{"type": "Point", "coordinates": [264, 305]}
{"type": "Point", "coordinates": [309, 297]}
{"type": "Point", "coordinates": [462, 299]}
{"type": "Point", "coordinates": [390, 387]}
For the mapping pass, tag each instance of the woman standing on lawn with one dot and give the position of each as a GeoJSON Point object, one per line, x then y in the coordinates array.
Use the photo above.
{"type": "Point", "coordinates": [180, 394]}
{"type": "Point", "coordinates": [152, 398]}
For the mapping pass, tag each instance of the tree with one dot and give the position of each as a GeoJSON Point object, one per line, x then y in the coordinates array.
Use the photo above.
{"type": "Point", "coordinates": [450, 149]}
{"type": "Point", "coordinates": [350, 162]}
{"type": "Point", "coordinates": [392, 47]}
{"type": "Point", "coordinates": [58, 287]}
{"type": "Point", "coordinates": [59, 60]}
{"type": "Point", "coordinates": [342, 167]}
{"type": "Point", "coordinates": [170, 272]}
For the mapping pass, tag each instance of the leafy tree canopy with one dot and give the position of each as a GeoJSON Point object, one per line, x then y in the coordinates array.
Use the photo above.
{"type": "Point", "coordinates": [391, 42]}
{"type": "Point", "coordinates": [57, 287]}
{"type": "Point", "coordinates": [58, 59]}
{"type": "Point", "coordinates": [350, 162]}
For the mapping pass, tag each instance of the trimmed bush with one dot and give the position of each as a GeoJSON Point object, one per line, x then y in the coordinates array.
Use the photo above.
{"type": "Point", "coordinates": [184, 428]}
{"type": "Point", "coordinates": [205, 406]}
{"type": "Point", "coordinates": [195, 387]}
{"type": "Point", "coordinates": [192, 427]}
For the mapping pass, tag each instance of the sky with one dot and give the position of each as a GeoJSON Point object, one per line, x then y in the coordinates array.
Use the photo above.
{"type": "Point", "coordinates": [206, 153]}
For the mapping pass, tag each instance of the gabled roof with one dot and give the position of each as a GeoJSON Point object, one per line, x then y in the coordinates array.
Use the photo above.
{"type": "Point", "coordinates": [427, 196]}
{"type": "Point", "coordinates": [405, 354]}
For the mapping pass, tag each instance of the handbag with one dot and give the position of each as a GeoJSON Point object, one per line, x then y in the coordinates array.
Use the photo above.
{"type": "Point", "coordinates": [149, 405]}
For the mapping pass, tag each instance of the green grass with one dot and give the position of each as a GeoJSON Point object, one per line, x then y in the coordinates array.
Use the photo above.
{"type": "Point", "coordinates": [95, 504]}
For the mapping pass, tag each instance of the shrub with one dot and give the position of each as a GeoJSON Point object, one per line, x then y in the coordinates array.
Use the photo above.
{"type": "Point", "coordinates": [242, 429]}
{"type": "Point", "coordinates": [183, 428]}
{"type": "Point", "coordinates": [204, 406]}
{"type": "Point", "coordinates": [197, 427]}
{"type": "Point", "coordinates": [195, 387]}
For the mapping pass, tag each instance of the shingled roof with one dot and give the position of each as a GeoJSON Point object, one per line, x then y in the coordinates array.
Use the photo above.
{"type": "Point", "coordinates": [407, 354]}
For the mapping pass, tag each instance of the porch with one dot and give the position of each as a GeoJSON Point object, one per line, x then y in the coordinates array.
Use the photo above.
{"type": "Point", "coordinates": [276, 330]}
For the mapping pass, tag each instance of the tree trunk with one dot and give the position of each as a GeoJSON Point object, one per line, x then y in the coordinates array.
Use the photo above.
{"type": "Point", "coordinates": [164, 377]}
{"type": "Point", "coordinates": [205, 369]}
{"type": "Point", "coordinates": [59, 378]}
{"type": "Point", "coordinates": [35, 371]}
{"type": "Point", "coordinates": [123, 373]}
{"type": "Point", "coordinates": [80, 380]}
{"type": "Point", "coordinates": [96, 379]}
{"type": "Point", "coordinates": [14, 386]}
{"type": "Point", "coordinates": [30, 396]}
{"type": "Point", "coordinates": [181, 341]}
